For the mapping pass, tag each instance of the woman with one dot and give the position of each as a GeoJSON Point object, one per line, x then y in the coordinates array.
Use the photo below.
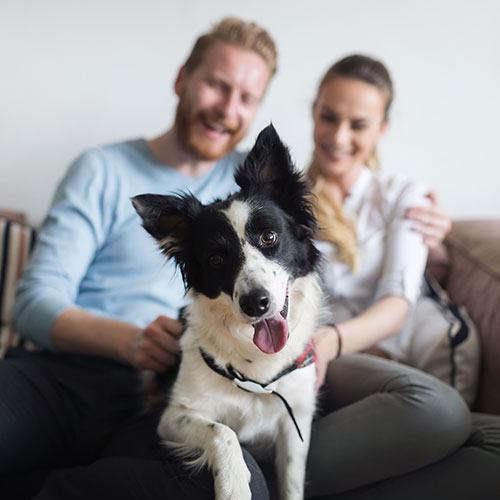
{"type": "Point", "coordinates": [395, 431]}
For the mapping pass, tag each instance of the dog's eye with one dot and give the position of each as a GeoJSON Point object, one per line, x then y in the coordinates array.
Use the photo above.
{"type": "Point", "coordinates": [215, 260]}
{"type": "Point", "coordinates": [268, 238]}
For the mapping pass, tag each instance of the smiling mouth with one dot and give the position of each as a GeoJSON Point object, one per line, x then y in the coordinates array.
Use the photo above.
{"type": "Point", "coordinates": [218, 129]}
{"type": "Point", "coordinates": [336, 154]}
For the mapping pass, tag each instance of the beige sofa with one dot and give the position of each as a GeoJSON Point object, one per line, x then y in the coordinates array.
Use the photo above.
{"type": "Point", "coordinates": [467, 265]}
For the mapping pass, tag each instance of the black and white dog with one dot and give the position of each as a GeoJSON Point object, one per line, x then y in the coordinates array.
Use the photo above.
{"type": "Point", "coordinates": [250, 267]}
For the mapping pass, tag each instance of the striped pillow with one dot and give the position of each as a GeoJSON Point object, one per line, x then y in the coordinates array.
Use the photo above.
{"type": "Point", "coordinates": [16, 243]}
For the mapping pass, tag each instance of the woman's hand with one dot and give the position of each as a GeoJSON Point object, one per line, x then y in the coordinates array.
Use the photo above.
{"type": "Point", "coordinates": [433, 222]}
{"type": "Point", "coordinates": [156, 347]}
{"type": "Point", "coordinates": [326, 346]}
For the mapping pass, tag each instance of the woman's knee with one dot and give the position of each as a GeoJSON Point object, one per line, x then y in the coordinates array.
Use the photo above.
{"type": "Point", "coordinates": [434, 411]}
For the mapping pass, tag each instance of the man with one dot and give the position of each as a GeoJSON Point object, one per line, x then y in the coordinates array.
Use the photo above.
{"type": "Point", "coordinates": [99, 298]}
{"type": "Point", "coordinates": [220, 88]}
{"type": "Point", "coordinates": [96, 283]}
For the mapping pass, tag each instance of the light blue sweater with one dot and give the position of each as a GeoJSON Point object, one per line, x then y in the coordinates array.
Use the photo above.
{"type": "Point", "coordinates": [92, 251]}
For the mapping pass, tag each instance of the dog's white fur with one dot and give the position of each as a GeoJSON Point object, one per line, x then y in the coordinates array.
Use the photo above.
{"type": "Point", "coordinates": [208, 416]}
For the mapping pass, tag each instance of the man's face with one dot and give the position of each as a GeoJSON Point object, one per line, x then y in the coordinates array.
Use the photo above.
{"type": "Point", "coordinates": [219, 100]}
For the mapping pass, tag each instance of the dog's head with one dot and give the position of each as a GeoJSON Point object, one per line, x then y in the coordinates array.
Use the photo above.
{"type": "Point", "coordinates": [247, 250]}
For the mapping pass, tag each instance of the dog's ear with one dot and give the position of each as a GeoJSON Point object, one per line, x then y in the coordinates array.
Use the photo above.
{"type": "Point", "coordinates": [168, 219]}
{"type": "Point", "coordinates": [269, 166]}
{"type": "Point", "coordinates": [266, 164]}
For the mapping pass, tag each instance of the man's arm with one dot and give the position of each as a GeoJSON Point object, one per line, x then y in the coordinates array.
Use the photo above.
{"type": "Point", "coordinates": [433, 221]}
{"type": "Point", "coordinates": [154, 347]}
{"type": "Point", "coordinates": [68, 239]}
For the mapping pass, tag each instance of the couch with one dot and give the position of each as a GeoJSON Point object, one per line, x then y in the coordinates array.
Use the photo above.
{"type": "Point", "coordinates": [467, 265]}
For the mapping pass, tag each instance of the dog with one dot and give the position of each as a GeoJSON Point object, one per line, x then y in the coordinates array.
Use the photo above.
{"type": "Point", "coordinates": [250, 269]}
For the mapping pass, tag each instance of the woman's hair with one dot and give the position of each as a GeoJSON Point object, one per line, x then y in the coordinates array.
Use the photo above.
{"type": "Point", "coordinates": [239, 33]}
{"type": "Point", "coordinates": [335, 226]}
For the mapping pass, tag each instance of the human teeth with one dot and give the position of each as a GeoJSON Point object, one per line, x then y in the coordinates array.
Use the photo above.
{"type": "Point", "coordinates": [215, 127]}
{"type": "Point", "coordinates": [336, 152]}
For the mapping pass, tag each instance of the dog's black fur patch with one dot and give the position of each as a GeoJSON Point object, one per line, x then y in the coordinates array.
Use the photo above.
{"type": "Point", "coordinates": [204, 244]}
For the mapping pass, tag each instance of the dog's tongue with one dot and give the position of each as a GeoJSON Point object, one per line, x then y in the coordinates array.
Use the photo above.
{"type": "Point", "coordinates": [271, 334]}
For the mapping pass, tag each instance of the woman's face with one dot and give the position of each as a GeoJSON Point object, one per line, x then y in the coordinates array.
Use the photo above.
{"type": "Point", "coordinates": [348, 120]}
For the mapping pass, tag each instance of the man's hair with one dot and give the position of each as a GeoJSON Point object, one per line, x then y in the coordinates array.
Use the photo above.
{"type": "Point", "coordinates": [238, 33]}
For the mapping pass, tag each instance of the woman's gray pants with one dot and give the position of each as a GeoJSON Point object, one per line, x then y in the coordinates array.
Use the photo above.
{"type": "Point", "coordinates": [388, 431]}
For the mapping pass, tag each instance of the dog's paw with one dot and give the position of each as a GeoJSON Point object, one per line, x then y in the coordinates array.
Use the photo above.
{"type": "Point", "coordinates": [232, 484]}
{"type": "Point", "coordinates": [225, 491]}
{"type": "Point", "coordinates": [295, 493]}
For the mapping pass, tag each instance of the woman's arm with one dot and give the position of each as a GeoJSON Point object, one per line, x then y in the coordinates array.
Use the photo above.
{"type": "Point", "coordinates": [397, 287]}
{"type": "Point", "coordinates": [381, 320]}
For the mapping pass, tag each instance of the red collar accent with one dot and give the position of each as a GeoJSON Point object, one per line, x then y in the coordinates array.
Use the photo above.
{"type": "Point", "coordinates": [307, 357]}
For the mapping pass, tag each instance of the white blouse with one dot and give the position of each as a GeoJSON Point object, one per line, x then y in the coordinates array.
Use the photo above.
{"type": "Point", "coordinates": [392, 256]}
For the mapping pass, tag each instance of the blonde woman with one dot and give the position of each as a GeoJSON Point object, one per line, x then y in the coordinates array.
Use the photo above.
{"type": "Point", "coordinates": [387, 430]}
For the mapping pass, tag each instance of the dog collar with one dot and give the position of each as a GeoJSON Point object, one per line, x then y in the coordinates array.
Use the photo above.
{"type": "Point", "coordinates": [239, 380]}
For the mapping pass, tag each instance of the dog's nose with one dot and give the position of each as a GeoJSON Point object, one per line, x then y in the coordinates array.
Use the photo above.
{"type": "Point", "coordinates": [255, 303]}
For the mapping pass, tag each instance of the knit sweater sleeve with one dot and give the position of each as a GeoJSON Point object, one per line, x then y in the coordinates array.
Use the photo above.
{"type": "Point", "coordinates": [73, 230]}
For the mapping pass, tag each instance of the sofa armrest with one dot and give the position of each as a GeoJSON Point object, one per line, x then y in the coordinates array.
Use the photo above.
{"type": "Point", "coordinates": [16, 242]}
{"type": "Point", "coordinates": [473, 280]}
{"type": "Point", "coordinates": [14, 216]}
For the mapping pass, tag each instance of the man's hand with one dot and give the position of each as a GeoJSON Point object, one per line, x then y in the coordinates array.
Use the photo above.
{"type": "Point", "coordinates": [156, 347]}
{"type": "Point", "coordinates": [433, 222]}
{"type": "Point", "coordinates": [326, 345]}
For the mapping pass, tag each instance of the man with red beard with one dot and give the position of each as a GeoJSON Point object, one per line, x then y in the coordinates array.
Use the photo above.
{"type": "Point", "coordinates": [219, 96]}
{"type": "Point", "coordinates": [99, 299]}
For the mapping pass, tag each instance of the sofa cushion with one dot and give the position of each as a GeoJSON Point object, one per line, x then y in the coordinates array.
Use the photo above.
{"type": "Point", "coordinates": [438, 264]}
{"type": "Point", "coordinates": [16, 242]}
{"type": "Point", "coordinates": [474, 280]}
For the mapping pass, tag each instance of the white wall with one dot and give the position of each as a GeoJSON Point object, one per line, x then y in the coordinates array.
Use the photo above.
{"type": "Point", "coordinates": [75, 74]}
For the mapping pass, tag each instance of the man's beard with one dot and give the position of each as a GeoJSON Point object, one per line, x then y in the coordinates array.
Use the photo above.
{"type": "Point", "coordinates": [201, 147]}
